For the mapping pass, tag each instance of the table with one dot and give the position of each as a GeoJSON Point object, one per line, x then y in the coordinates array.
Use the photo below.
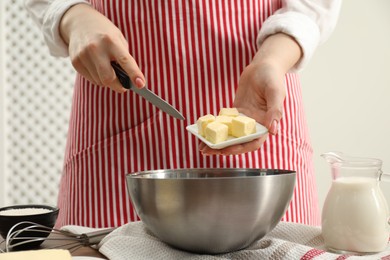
{"type": "Point", "coordinates": [82, 251]}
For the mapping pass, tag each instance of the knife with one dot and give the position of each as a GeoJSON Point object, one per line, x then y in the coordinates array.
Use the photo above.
{"type": "Point", "coordinates": [124, 79]}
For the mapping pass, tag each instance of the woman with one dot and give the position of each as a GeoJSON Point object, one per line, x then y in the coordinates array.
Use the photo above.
{"type": "Point", "coordinates": [198, 55]}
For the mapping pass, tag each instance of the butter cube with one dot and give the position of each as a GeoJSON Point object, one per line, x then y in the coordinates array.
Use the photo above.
{"type": "Point", "coordinates": [216, 132]}
{"type": "Point", "coordinates": [43, 254]}
{"type": "Point", "coordinates": [228, 111]}
{"type": "Point", "coordinates": [203, 121]}
{"type": "Point", "coordinates": [243, 125]}
{"type": "Point", "coordinates": [226, 120]}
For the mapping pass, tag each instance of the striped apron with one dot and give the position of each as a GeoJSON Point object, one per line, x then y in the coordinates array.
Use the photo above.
{"type": "Point", "coordinates": [192, 54]}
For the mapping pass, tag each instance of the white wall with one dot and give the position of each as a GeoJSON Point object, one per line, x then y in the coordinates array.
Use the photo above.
{"type": "Point", "coordinates": [35, 99]}
{"type": "Point", "coordinates": [2, 126]}
{"type": "Point", "coordinates": [346, 89]}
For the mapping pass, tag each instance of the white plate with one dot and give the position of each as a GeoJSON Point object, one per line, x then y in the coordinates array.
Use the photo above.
{"type": "Point", "coordinates": [260, 131]}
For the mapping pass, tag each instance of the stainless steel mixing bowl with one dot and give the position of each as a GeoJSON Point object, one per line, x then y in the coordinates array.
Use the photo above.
{"type": "Point", "coordinates": [211, 210]}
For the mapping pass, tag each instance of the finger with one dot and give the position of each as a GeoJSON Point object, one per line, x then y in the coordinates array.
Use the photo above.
{"type": "Point", "coordinates": [80, 68]}
{"type": "Point", "coordinates": [274, 113]}
{"type": "Point", "coordinates": [209, 151]}
{"type": "Point", "coordinates": [245, 147]}
{"type": "Point", "coordinates": [87, 62]}
{"type": "Point", "coordinates": [95, 79]}
{"type": "Point", "coordinates": [128, 63]}
{"type": "Point", "coordinates": [237, 149]}
{"type": "Point", "coordinates": [201, 146]}
{"type": "Point", "coordinates": [117, 86]}
{"type": "Point", "coordinates": [107, 74]}
{"type": "Point", "coordinates": [205, 150]}
{"type": "Point", "coordinates": [272, 119]}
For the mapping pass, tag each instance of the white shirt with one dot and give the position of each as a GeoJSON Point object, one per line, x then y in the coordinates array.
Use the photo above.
{"type": "Point", "coordinates": [309, 22]}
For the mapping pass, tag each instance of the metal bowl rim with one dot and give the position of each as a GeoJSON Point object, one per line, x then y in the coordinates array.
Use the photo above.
{"type": "Point", "coordinates": [144, 174]}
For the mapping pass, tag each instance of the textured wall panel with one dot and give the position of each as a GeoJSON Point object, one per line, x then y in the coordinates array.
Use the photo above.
{"type": "Point", "coordinates": [38, 91]}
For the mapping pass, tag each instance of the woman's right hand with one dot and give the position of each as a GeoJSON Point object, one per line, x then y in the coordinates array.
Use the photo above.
{"type": "Point", "coordinates": [93, 42]}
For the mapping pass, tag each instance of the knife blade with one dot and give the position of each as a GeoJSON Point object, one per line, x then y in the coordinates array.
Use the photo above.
{"type": "Point", "coordinates": [124, 79]}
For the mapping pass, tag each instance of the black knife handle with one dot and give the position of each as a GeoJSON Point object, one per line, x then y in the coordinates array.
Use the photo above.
{"type": "Point", "coordinates": [124, 79]}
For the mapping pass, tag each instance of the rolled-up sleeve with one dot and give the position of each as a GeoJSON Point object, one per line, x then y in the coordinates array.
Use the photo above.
{"type": "Point", "coordinates": [47, 14]}
{"type": "Point", "coordinates": [309, 22]}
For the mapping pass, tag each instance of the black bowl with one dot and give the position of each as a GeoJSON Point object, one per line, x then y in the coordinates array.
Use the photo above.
{"type": "Point", "coordinates": [46, 219]}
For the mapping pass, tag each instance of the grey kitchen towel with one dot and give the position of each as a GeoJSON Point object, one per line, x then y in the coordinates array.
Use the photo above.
{"type": "Point", "coordinates": [286, 241]}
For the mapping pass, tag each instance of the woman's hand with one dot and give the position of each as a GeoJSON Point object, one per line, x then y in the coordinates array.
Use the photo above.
{"type": "Point", "coordinates": [93, 42]}
{"type": "Point", "coordinates": [261, 89]}
{"type": "Point", "coordinates": [260, 95]}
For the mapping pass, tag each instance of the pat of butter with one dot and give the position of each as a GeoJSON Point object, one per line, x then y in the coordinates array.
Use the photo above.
{"type": "Point", "coordinates": [203, 121]}
{"type": "Point", "coordinates": [43, 254]}
{"type": "Point", "coordinates": [228, 111]}
{"type": "Point", "coordinates": [226, 120]}
{"type": "Point", "coordinates": [216, 132]}
{"type": "Point", "coordinates": [243, 125]}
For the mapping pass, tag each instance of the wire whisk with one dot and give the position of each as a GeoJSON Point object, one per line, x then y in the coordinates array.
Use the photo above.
{"type": "Point", "coordinates": [27, 235]}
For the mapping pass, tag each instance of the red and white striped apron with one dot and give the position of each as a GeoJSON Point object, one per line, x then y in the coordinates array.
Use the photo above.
{"type": "Point", "coordinates": [192, 54]}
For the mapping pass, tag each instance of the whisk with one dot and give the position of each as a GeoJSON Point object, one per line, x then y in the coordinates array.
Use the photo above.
{"type": "Point", "coordinates": [32, 235]}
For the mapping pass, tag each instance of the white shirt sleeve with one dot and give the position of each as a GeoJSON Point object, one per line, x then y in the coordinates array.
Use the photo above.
{"type": "Point", "coordinates": [47, 14]}
{"type": "Point", "coordinates": [309, 22]}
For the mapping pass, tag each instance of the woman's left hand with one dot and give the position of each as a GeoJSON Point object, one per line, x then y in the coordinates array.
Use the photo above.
{"type": "Point", "coordinates": [261, 90]}
{"type": "Point", "coordinates": [260, 95]}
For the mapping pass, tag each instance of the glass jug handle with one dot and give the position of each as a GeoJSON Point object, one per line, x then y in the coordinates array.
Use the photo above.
{"type": "Point", "coordinates": [384, 177]}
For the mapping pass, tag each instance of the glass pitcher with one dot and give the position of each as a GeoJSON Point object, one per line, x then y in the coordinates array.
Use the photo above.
{"type": "Point", "coordinates": [355, 215]}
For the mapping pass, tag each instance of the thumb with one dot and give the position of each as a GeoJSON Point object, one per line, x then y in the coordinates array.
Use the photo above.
{"type": "Point", "coordinates": [273, 124]}
{"type": "Point", "coordinates": [274, 114]}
